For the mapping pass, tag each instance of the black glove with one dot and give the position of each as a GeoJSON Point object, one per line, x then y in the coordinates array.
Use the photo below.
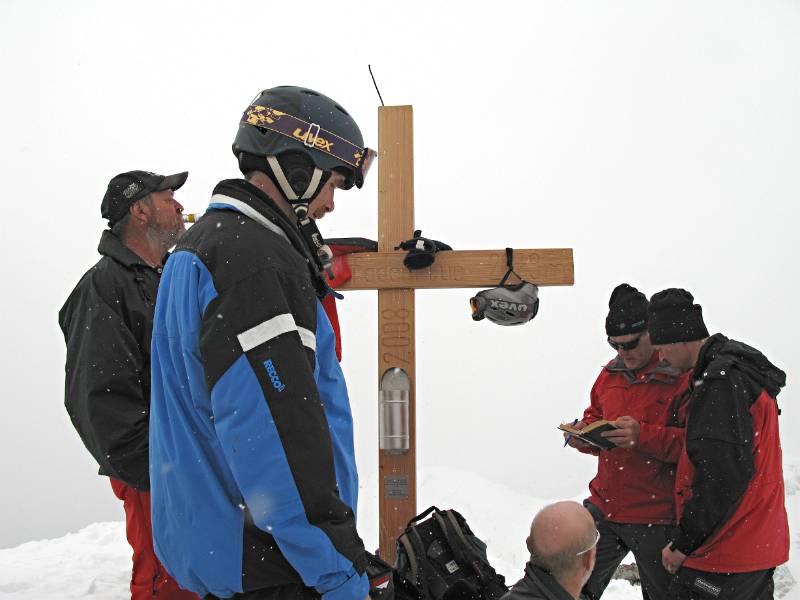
{"type": "Point", "coordinates": [381, 578]}
{"type": "Point", "coordinates": [421, 251]}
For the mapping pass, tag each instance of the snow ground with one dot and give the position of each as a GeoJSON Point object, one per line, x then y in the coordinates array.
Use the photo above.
{"type": "Point", "coordinates": [95, 561]}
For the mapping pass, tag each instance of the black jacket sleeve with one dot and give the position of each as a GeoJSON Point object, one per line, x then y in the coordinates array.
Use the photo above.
{"type": "Point", "coordinates": [104, 389]}
{"type": "Point", "coordinates": [719, 445]}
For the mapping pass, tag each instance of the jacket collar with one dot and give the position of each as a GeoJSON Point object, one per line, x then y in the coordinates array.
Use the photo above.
{"type": "Point", "coordinates": [653, 370]}
{"type": "Point", "coordinates": [245, 198]}
{"type": "Point", "coordinates": [545, 583]}
{"type": "Point", "coordinates": [111, 246]}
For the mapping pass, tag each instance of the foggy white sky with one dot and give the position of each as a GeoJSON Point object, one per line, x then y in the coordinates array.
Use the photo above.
{"type": "Point", "coordinates": [660, 140]}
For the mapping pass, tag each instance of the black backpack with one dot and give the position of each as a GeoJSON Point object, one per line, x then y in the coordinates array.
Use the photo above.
{"type": "Point", "coordinates": [439, 558]}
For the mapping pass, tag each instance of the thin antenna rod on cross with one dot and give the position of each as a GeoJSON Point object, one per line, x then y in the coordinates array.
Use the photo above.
{"type": "Point", "coordinates": [375, 84]}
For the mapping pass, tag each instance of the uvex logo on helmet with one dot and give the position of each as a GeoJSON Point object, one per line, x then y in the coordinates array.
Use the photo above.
{"type": "Point", "coordinates": [310, 139]}
{"type": "Point", "coordinates": [508, 305]}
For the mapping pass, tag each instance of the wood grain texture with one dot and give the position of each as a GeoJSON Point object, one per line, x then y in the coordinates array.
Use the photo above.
{"type": "Point", "coordinates": [396, 310]}
{"type": "Point", "coordinates": [459, 269]}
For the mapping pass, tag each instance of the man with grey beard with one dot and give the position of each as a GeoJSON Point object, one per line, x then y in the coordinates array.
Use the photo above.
{"type": "Point", "coordinates": [107, 323]}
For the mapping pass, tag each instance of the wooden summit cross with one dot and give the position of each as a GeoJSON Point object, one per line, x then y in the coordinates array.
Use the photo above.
{"type": "Point", "coordinates": [384, 271]}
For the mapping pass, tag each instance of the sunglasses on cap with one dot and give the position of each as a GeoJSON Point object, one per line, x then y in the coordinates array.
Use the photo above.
{"type": "Point", "coordinates": [629, 345]}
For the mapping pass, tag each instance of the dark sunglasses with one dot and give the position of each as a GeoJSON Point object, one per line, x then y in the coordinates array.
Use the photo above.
{"type": "Point", "coordinates": [625, 345]}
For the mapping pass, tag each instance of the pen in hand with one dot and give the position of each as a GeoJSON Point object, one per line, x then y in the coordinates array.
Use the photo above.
{"type": "Point", "coordinates": [569, 435]}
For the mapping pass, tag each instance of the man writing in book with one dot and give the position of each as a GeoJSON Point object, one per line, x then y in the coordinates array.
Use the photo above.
{"type": "Point", "coordinates": [631, 497]}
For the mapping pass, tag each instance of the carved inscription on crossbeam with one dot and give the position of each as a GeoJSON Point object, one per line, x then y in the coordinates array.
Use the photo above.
{"type": "Point", "coordinates": [375, 275]}
{"type": "Point", "coordinates": [459, 269]}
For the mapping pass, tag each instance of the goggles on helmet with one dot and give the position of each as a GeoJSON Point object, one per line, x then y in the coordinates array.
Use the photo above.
{"type": "Point", "coordinates": [311, 135]}
{"type": "Point", "coordinates": [507, 304]}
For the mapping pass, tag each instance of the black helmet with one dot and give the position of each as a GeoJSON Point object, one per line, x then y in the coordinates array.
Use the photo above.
{"type": "Point", "coordinates": [295, 124]}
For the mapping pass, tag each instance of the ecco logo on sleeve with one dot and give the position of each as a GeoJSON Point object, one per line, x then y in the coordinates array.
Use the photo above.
{"type": "Point", "coordinates": [273, 376]}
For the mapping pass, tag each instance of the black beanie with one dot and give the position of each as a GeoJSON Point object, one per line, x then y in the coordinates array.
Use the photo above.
{"type": "Point", "coordinates": [675, 318]}
{"type": "Point", "coordinates": [627, 311]}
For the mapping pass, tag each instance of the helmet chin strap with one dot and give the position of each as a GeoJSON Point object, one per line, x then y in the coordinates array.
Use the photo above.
{"type": "Point", "coordinates": [286, 187]}
{"type": "Point", "coordinates": [313, 238]}
{"type": "Point", "coordinates": [307, 226]}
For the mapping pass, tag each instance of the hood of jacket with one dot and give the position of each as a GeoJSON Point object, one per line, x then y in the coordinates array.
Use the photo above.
{"type": "Point", "coordinates": [655, 369]}
{"type": "Point", "coordinates": [720, 353]}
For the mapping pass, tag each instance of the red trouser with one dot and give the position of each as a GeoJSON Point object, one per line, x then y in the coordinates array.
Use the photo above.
{"type": "Point", "coordinates": [149, 578]}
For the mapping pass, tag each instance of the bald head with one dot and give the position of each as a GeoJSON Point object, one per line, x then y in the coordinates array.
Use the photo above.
{"type": "Point", "coordinates": [560, 534]}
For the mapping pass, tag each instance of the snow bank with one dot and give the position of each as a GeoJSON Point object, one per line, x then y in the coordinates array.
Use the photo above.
{"type": "Point", "coordinates": [92, 563]}
{"type": "Point", "coordinates": [95, 562]}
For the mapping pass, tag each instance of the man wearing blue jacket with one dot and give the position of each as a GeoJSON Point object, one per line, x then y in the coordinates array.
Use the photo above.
{"type": "Point", "coordinates": [253, 476]}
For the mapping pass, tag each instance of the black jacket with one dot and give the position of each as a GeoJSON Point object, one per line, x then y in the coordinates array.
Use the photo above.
{"type": "Point", "coordinates": [107, 323]}
{"type": "Point", "coordinates": [537, 585]}
{"type": "Point", "coordinates": [727, 380]}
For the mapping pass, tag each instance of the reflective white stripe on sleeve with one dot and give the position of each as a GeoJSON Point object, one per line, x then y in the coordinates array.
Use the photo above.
{"type": "Point", "coordinates": [264, 332]}
{"type": "Point", "coordinates": [309, 339]}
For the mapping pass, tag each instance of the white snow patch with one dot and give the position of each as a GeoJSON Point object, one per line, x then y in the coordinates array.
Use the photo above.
{"type": "Point", "coordinates": [95, 562]}
{"type": "Point", "coordinates": [92, 563]}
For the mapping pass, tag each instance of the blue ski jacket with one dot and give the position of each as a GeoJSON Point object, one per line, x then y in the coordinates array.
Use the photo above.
{"type": "Point", "coordinates": [252, 467]}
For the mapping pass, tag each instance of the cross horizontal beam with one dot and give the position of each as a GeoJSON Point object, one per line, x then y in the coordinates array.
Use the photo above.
{"type": "Point", "coordinates": [459, 269]}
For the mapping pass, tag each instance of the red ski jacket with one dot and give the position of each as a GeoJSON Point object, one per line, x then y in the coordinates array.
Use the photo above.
{"type": "Point", "coordinates": [341, 247]}
{"type": "Point", "coordinates": [729, 483]}
{"type": "Point", "coordinates": [756, 535]}
{"type": "Point", "coordinates": [636, 485]}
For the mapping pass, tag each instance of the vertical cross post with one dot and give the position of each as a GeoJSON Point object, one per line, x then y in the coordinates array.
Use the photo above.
{"type": "Point", "coordinates": [384, 271]}
{"type": "Point", "coordinates": [397, 470]}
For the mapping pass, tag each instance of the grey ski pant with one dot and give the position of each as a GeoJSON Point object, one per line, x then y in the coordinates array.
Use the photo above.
{"type": "Point", "coordinates": [616, 540]}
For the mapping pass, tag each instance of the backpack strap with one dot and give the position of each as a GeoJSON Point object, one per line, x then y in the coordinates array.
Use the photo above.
{"type": "Point", "coordinates": [464, 549]}
{"type": "Point", "coordinates": [421, 516]}
{"type": "Point", "coordinates": [412, 558]}
{"type": "Point", "coordinates": [417, 559]}
{"type": "Point", "coordinates": [494, 584]}
{"type": "Point", "coordinates": [458, 543]}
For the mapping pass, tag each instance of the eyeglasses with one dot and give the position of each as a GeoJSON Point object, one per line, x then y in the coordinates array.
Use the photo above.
{"type": "Point", "coordinates": [597, 539]}
{"type": "Point", "coordinates": [630, 345]}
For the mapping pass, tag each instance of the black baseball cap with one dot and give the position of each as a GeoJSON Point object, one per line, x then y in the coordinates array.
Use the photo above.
{"type": "Point", "coordinates": [126, 188]}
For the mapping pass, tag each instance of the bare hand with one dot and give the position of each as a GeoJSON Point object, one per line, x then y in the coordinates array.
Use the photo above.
{"type": "Point", "coordinates": [672, 559]}
{"type": "Point", "coordinates": [626, 434]}
{"type": "Point", "coordinates": [574, 442]}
